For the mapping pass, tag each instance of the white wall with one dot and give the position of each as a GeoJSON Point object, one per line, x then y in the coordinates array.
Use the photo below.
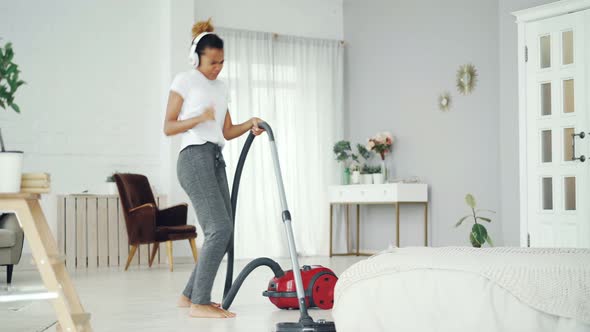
{"type": "Point", "coordinates": [95, 92]}
{"type": "Point", "coordinates": [306, 18]}
{"type": "Point", "coordinates": [508, 135]}
{"type": "Point", "coordinates": [400, 56]}
{"type": "Point", "coordinates": [97, 74]}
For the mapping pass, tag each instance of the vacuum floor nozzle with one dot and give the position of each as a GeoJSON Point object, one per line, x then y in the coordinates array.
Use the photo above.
{"type": "Point", "coordinates": [318, 326]}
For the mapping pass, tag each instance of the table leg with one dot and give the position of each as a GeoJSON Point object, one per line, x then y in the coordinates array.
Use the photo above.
{"type": "Point", "coordinates": [358, 229]}
{"type": "Point", "coordinates": [426, 224]}
{"type": "Point", "coordinates": [331, 221]}
{"type": "Point", "coordinates": [397, 223]}
{"type": "Point", "coordinates": [347, 230]}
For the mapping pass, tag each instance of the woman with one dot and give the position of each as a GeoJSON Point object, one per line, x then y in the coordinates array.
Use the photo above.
{"type": "Point", "coordinates": [197, 109]}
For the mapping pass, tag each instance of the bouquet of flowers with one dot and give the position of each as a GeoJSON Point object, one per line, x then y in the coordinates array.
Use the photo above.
{"type": "Point", "coordinates": [381, 143]}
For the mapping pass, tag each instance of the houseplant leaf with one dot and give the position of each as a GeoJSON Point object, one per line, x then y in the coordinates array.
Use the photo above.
{"type": "Point", "coordinates": [479, 233]}
{"type": "Point", "coordinates": [485, 210]}
{"type": "Point", "coordinates": [470, 200]}
{"type": "Point", "coordinates": [462, 220]}
{"type": "Point", "coordinates": [474, 243]}
{"type": "Point", "coordinates": [9, 52]}
{"type": "Point", "coordinates": [11, 69]}
{"type": "Point", "coordinates": [489, 239]}
{"type": "Point", "coordinates": [484, 219]}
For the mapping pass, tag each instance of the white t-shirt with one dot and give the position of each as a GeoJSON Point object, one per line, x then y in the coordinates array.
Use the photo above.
{"type": "Point", "coordinates": [198, 93]}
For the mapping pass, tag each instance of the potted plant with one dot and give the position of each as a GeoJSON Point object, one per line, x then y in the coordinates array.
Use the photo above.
{"type": "Point", "coordinates": [355, 175]}
{"type": "Point", "coordinates": [366, 176]}
{"type": "Point", "coordinates": [366, 155]}
{"type": "Point", "coordinates": [344, 154]}
{"type": "Point", "coordinates": [479, 234]}
{"type": "Point", "coordinates": [378, 176]}
{"type": "Point", "coordinates": [382, 144]}
{"type": "Point", "coordinates": [11, 162]}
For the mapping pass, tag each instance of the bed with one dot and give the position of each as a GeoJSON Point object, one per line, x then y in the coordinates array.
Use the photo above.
{"type": "Point", "coordinates": [466, 289]}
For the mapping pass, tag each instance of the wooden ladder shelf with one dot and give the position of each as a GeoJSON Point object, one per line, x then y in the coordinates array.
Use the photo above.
{"type": "Point", "coordinates": [50, 263]}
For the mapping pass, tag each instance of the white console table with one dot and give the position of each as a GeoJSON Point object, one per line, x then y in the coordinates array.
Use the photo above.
{"type": "Point", "coordinates": [395, 194]}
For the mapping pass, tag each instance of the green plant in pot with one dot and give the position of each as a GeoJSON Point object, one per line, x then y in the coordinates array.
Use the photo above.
{"type": "Point", "coordinates": [344, 155]}
{"type": "Point", "coordinates": [377, 174]}
{"type": "Point", "coordinates": [11, 162]}
{"type": "Point", "coordinates": [365, 154]}
{"type": "Point", "coordinates": [479, 234]}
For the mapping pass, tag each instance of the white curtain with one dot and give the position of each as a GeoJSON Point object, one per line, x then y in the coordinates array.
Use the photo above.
{"type": "Point", "coordinates": [295, 84]}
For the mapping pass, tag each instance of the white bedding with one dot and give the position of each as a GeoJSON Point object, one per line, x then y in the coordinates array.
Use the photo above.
{"type": "Point", "coordinates": [450, 289]}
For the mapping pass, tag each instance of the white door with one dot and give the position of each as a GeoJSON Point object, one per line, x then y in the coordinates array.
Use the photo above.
{"type": "Point", "coordinates": [557, 122]}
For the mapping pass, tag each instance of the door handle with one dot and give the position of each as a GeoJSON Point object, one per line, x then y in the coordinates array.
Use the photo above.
{"type": "Point", "coordinates": [581, 158]}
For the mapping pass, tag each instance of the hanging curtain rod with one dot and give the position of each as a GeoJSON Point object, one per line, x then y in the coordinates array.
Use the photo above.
{"type": "Point", "coordinates": [276, 35]}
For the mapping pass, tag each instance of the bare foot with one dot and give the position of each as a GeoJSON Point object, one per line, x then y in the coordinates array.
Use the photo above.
{"type": "Point", "coordinates": [185, 302]}
{"type": "Point", "coordinates": [209, 311]}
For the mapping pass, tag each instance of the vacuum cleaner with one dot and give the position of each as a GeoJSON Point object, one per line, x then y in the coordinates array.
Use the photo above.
{"type": "Point", "coordinates": [299, 288]}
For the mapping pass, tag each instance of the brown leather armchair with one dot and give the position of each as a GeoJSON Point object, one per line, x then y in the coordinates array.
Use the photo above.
{"type": "Point", "coordinates": [146, 223]}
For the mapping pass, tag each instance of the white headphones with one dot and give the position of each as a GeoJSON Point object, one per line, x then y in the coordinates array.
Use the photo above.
{"type": "Point", "coordinates": [193, 56]}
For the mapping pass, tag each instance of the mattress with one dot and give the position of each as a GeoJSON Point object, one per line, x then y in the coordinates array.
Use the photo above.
{"type": "Point", "coordinates": [386, 293]}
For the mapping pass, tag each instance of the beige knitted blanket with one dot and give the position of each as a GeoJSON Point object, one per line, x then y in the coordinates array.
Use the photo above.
{"type": "Point", "coordinates": [555, 281]}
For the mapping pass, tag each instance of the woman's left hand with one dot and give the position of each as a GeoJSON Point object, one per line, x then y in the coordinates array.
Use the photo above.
{"type": "Point", "coordinates": [255, 129]}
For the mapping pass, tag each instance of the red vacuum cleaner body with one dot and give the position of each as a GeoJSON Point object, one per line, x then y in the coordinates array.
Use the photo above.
{"type": "Point", "coordinates": [318, 281]}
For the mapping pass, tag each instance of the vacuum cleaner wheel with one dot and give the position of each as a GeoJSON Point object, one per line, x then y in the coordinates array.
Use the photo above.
{"type": "Point", "coordinates": [323, 291]}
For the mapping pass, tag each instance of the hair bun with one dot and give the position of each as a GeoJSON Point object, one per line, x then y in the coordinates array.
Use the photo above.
{"type": "Point", "coordinates": [202, 26]}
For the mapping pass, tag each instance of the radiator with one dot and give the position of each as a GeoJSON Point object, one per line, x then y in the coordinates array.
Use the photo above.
{"type": "Point", "coordinates": [92, 233]}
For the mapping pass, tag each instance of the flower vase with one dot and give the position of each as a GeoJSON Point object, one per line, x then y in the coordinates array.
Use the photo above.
{"type": "Point", "coordinates": [378, 178]}
{"type": "Point", "coordinates": [355, 178]}
{"type": "Point", "coordinates": [11, 167]}
{"type": "Point", "coordinates": [366, 178]}
{"type": "Point", "coordinates": [346, 176]}
{"type": "Point", "coordinates": [384, 170]}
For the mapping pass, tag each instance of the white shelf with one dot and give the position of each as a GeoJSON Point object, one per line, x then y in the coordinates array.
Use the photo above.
{"type": "Point", "coordinates": [15, 294]}
{"type": "Point", "coordinates": [379, 193]}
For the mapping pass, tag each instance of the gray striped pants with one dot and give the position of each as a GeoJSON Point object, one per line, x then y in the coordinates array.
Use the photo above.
{"type": "Point", "coordinates": [201, 172]}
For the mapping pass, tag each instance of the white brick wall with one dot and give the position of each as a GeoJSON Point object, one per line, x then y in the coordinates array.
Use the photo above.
{"type": "Point", "coordinates": [97, 75]}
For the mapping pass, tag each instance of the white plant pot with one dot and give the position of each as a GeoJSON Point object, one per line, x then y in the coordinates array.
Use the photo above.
{"type": "Point", "coordinates": [355, 178]}
{"type": "Point", "coordinates": [378, 178]}
{"type": "Point", "coordinates": [366, 179]}
{"type": "Point", "coordinates": [11, 170]}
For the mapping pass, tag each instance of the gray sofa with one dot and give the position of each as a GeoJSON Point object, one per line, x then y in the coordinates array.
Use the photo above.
{"type": "Point", "coordinates": [11, 243]}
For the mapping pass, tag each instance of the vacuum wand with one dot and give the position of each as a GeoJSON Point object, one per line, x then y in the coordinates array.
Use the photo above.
{"type": "Point", "coordinates": [288, 227]}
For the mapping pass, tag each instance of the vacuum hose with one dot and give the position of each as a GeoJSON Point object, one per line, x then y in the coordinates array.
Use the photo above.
{"type": "Point", "coordinates": [262, 261]}
{"type": "Point", "coordinates": [234, 203]}
{"type": "Point", "coordinates": [230, 291]}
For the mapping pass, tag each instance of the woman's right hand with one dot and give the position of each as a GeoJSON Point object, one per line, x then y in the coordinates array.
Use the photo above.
{"type": "Point", "coordinates": [255, 129]}
{"type": "Point", "coordinates": [209, 114]}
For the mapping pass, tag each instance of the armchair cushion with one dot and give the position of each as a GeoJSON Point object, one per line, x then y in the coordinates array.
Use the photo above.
{"type": "Point", "coordinates": [7, 238]}
{"type": "Point", "coordinates": [9, 225]}
{"type": "Point", "coordinates": [173, 216]}
{"type": "Point", "coordinates": [173, 233]}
